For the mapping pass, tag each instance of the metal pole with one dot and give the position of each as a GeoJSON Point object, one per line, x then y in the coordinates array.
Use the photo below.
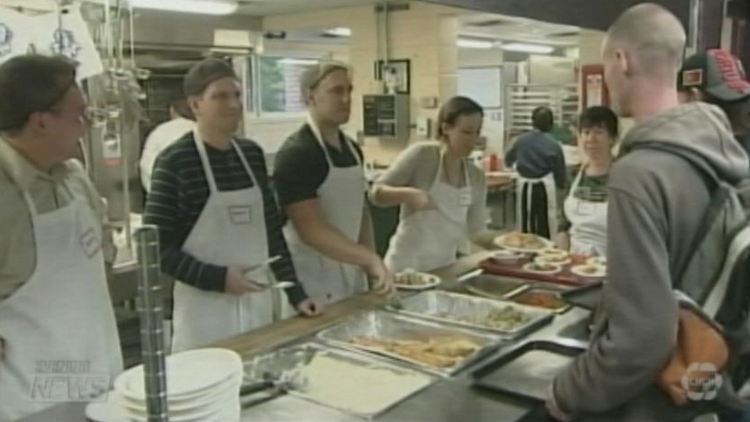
{"type": "Point", "coordinates": [694, 29]}
{"type": "Point", "coordinates": [151, 313]}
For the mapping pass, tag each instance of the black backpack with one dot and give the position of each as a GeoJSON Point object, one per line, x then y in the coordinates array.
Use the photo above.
{"type": "Point", "coordinates": [715, 278]}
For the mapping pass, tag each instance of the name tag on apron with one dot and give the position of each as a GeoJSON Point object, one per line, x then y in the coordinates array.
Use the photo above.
{"type": "Point", "coordinates": [90, 242]}
{"type": "Point", "coordinates": [464, 199]}
{"type": "Point", "coordinates": [585, 208]}
{"type": "Point", "coordinates": [240, 215]}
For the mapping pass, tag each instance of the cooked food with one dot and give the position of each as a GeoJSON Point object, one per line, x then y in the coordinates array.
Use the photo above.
{"type": "Point", "coordinates": [598, 260]}
{"type": "Point", "coordinates": [437, 352]}
{"type": "Point", "coordinates": [553, 251]}
{"type": "Point", "coordinates": [542, 267]}
{"type": "Point", "coordinates": [589, 270]}
{"type": "Point", "coordinates": [539, 299]}
{"type": "Point", "coordinates": [523, 240]}
{"type": "Point", "coordinates": [505, 319]}
{"type": "Point", "coordinates": [350, 386]}
{"type": "Point", "coordinates": [553, 259]}
{"type": "Point", "coordinates": [411, 278]}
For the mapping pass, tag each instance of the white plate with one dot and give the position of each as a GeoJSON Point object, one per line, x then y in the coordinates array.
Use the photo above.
{"type": "Point", "coordinates": [528, 268]}
{"type": "Point", "coordinates": [189, 374]}
{"type": "Point", "coordinates": [207, 411]}
{"type": "Point", "coordinates": [553, 250]}
{"type": "Point", "coordinates": [506, 255]}
{"type": "Point", "coordinates": [602, 271]}
{"type": "Point", "coordinates": [553, 259]}
{"type": "Point", "coordinates": [432, 281]}
{"type": "Point", "coordinates": [500, 241]}
{"type": "Point", "coordinates": [180, 407]}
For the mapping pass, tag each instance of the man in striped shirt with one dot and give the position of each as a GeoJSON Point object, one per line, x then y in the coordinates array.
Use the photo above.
{"type": "Point", "coordinates": [217, 218]}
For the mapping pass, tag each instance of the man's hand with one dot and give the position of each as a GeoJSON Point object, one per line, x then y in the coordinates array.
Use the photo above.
{"type": "Point", "coordinates": [309, 308]}
{"type": "Point", "coordinates": [383, 276]}
{"type": "Point", "coordinates": [235, 283]}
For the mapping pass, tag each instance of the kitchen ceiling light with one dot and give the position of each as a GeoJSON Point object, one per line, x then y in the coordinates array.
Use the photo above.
{"type": "Point", "coordinates": [527, 48]}
{"type": "Point", "coordinates": [206, 7]}
{"type": "Point", "coordinates": [293, 61]}
{"type": "Point", "coordinates": [469, 43]}
{"type": "Point", "coordinates": [339, 32]}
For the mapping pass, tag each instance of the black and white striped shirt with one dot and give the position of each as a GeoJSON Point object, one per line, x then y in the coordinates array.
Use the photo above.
{"type": "Point", "coordinates": [179, 191]}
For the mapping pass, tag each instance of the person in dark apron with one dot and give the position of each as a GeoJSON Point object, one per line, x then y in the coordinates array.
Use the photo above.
{"type": "Point", "coordinates": [540, 163]}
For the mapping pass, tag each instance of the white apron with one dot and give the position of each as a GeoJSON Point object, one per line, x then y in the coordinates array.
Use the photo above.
{"type": "Point", "coordinates": [588, 223]}
{"type": "Point", "coordinates": [430, 239]}
{"type": "Point", "coordinates": [342, 200]}
{"type": "Point", "coordinates": [61, 340]}
{"type": "Point", "coordinates": [550, 189]}
{"type": "Point", "coordinates": [230, 231]}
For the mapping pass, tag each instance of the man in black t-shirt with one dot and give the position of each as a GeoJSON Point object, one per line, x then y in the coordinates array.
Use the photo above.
{"type": "Point", "coordinates": [321, 187]}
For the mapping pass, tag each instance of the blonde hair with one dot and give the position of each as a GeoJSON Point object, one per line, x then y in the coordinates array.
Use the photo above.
{"type": "Point", "coordinates": [311, 77]}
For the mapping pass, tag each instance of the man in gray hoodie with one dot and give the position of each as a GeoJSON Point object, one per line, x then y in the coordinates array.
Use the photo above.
{"type": "Point", "coordinates": [656, 204]}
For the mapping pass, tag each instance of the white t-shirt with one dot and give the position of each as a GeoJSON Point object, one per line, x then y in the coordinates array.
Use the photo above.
{"type": "Point", "coordinates": [158, 140]}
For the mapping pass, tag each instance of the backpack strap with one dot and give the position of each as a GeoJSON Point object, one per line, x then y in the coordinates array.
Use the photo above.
{"type": "Point", "coordinates": [712, 181]}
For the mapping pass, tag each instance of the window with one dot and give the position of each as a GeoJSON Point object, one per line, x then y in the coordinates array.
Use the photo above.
{"type": "Point", "coordinates": [279, 83]}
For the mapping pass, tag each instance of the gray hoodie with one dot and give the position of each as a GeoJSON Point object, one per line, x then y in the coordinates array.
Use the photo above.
{"type": "Point", "coordinates": [656, 203]}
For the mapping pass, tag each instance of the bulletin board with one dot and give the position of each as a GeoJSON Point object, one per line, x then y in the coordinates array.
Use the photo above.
{"type": "Point", "coordinates": [482, 84]}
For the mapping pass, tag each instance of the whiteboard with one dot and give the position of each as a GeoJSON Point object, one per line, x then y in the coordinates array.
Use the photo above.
{"type": "Point", "coordinates": [482, 84]}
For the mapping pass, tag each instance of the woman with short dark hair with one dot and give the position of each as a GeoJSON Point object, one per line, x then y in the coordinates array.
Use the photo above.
{"type": "Point", "coordinates": [441, 194]}
{"type": "Point", "coordinates": [583, 229]}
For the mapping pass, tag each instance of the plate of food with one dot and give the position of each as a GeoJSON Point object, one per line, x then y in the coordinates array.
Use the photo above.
{"type": "Point", "coordinates": [553, 259]}
{"type": "Point", "coordinates": [541, 298]}
{"type": "Point", "coordinates": [413, 280]}
{"type": "Point", "coordinates": [589, 271]}
{"type": "Point", "coordinates": [597, 260]}
{"type": "Point", "coordinates": [505, 256]}
{"type": "Point", "coordinates": [542, 268]}
{"type": "Point", "coordinates": [553, 251]}
{"type": "Point", "coordinates": [522, 242]}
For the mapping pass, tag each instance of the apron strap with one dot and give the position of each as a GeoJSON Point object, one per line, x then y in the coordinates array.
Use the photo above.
{"type": "Point", "coordinates": [345, 143]}
{"type": "Point", "coordinates": [441, 164]}
{"type": "Point", "coordinates": [204, 160]}
{"type": "Point", "coordinates": [245, 164]}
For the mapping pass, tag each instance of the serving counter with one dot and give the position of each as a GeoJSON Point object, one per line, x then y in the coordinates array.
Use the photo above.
{"type": "Point", "coordinates": [448, 399]}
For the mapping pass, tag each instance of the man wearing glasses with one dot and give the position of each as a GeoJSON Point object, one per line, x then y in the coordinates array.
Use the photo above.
{"type": "Point", "coordinates": [57, 324]}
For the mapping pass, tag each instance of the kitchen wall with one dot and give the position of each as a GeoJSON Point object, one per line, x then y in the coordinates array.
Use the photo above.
{"type": "Point", "coordinates": [425, 34]}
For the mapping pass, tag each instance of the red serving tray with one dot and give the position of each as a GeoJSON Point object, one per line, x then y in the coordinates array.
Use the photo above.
{"type": "Point", "coordinates": [515, 269]}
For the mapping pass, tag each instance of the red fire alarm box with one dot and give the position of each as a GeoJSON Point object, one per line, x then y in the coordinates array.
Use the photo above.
{"type": "Point", "coordinates": [593, 89]}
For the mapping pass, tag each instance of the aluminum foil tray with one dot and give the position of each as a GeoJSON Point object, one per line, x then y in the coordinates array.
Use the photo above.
{"type": "Point", "coordinates": [496, 287]}
{"type": "Point", "coordinates": [353, 383]}
{"type": "Point", "coordinates": [470, 311]}
{"type": "Point", "coordinates": [390, 326]}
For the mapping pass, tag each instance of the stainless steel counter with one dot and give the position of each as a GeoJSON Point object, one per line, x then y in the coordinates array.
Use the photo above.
{"type": "Point", "coordinates": [451, 399]}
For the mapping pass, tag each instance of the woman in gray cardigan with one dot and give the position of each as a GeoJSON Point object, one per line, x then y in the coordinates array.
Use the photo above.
{"type": "Point", "coordinates": [441, 194]}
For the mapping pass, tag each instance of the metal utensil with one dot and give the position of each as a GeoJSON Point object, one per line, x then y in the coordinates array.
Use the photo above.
{"type": "Point", "coordinates": [262, 266]}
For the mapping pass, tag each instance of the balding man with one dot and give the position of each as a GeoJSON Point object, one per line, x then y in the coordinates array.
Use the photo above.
{"type": "Point", "coordinates": [657, 201]}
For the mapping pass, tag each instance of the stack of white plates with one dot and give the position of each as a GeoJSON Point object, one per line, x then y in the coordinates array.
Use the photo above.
{"type": "Point", "coordinates": [202, 386]}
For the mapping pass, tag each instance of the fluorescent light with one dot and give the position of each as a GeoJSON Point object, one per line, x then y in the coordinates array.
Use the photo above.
{"type": "Point", "coordinates": [206, 7]}
{"type": "Point", "coordinates": [293, 61]}
{"type": "Point", "coordinates": [339, 32]}
{"type": "Point", "coordinates": [469, 43]}
{"type": "Point", "coordinates": [527, 48]}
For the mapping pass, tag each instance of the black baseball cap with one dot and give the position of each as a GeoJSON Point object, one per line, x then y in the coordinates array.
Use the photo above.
{"type": "Point", "coordinates": [716, 72]}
